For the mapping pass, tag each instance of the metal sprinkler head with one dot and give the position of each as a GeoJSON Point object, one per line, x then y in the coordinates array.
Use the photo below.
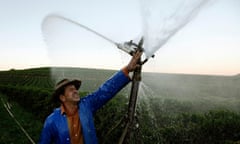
{"type": "Point", "coordinates": [130, 47]}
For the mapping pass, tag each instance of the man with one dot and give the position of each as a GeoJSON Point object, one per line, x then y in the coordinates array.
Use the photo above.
{"type": "Point", "coordinates": [73, 121]}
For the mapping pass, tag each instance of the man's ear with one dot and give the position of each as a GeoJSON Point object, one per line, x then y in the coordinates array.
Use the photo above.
{"type": "Point", "coordinates": [62, 98]}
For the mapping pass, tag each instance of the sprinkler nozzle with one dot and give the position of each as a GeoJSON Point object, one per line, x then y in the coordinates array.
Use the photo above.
{"type": "Point", "coordinates": [128, 47]}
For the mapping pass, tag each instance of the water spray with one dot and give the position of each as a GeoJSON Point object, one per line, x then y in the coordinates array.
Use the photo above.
{"type": "Point", "coordinates": [129, 47]}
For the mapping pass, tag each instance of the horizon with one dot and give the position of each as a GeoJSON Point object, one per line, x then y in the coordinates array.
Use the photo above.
{"type": "Point", "coordinates": [69, 67]}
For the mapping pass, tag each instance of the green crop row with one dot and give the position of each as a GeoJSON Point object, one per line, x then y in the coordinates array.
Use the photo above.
{"type": "Point", "coordinates": [218, 126]}
{"type": "Point", "coordinates": [10, 131]}
{"type": "Point", "coordinates": [34, 100]}
{"type": "Point", "coordinates": [32, 77]}
{"type": "Point", "coordinates": [212, 127]}
{"type": "Point", "coordinates": [159, 119]}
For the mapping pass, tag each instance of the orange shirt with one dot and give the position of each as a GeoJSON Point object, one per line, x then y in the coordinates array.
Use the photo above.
{"type": "Point", "coordinates": [74, 127]}
{"type": "Point", "coordinates": [125, 71]}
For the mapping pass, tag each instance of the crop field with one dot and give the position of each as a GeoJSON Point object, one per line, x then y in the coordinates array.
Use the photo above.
{"type": "Point", "coordinates": [203, 92]}
{"type": "Point", "coordinates": [172, 108]}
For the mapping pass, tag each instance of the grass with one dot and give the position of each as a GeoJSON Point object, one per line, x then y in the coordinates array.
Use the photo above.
{"type": "Point", "coordinates": [176, 108]}
{"type": "Point", "coordinates": [10, 132]}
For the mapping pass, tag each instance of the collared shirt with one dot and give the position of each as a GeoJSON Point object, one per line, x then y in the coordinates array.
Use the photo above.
{"type": "Point", "coordinates": [74, 127]}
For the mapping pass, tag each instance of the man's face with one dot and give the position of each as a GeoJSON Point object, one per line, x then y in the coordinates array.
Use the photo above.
{"type": "Point", "coordinates": [70, 95]}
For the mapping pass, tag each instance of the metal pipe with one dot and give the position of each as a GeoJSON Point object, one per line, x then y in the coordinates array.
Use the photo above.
{"type": "Point", "coordinates": [136, 79]}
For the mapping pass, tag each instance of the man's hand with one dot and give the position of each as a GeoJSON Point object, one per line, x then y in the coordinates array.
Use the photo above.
{"type": "Point", "coordinates": [133, 64]}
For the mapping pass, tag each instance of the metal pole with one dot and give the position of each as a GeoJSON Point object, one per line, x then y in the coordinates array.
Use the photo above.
{"type": "Point", "coordinates": [136, 79]}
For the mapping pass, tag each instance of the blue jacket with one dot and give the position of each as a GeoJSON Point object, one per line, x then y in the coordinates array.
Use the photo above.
{"type": "Point", "coordinates": [55, 128]}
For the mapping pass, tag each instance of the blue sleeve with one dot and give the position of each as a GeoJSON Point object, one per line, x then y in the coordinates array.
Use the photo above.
{"type": "Point", "coordinates": [46, 135]}
{"type": "Point", "coordinates": [107, 90]}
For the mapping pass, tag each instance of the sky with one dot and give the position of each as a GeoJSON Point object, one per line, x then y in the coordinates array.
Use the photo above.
{"type": "Point", "coordinates": [208, 44]}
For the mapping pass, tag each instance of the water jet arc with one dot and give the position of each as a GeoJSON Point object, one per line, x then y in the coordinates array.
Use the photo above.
{"type": "Point", "coordinates": [123, 46]}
